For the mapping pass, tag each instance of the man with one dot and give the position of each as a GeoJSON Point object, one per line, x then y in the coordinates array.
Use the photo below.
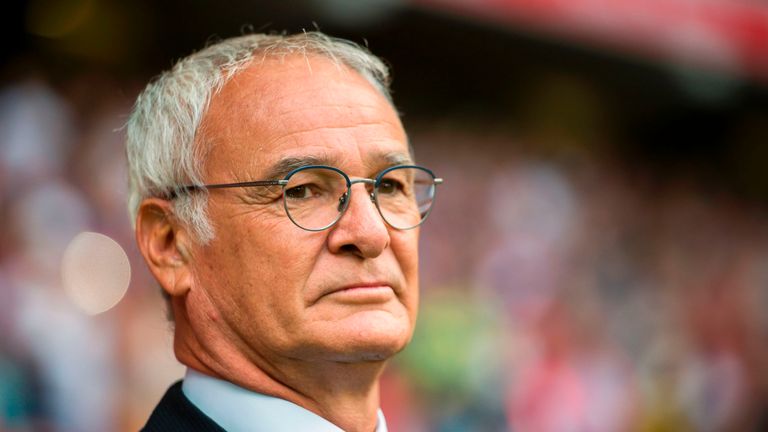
{"type": "Point", "coordinates": [276, 203]}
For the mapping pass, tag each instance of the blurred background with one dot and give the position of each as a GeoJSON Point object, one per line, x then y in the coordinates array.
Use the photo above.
{"type": "Point", "coordinates": [597, 259]}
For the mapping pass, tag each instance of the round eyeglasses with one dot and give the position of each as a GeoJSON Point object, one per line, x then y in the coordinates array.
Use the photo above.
{"type": "Point", "coordinates": [316, 196]}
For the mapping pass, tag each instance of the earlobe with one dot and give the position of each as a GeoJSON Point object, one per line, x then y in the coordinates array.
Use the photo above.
{"type": "Point", "coordinates": [162, 242]}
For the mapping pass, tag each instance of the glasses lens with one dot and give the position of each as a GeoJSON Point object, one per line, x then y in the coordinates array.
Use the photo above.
{"type": "Point", "coordinates": [313, 197]}
{"type": "Point", "coordinates": [405, 196]}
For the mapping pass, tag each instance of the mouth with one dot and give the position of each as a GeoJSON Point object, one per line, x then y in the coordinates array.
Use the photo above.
{"type": "Point", "coordinates": [361, 293]}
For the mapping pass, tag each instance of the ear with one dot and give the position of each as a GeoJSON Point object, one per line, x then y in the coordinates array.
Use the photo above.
{"type": "Point", "coordinates": [165, 245]}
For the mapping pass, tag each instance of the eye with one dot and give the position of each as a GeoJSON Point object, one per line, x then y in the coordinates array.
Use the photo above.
{"type": "Point", "coordinates": [390, 186]}
{"type": "Point", "coordinates": [299, 192]}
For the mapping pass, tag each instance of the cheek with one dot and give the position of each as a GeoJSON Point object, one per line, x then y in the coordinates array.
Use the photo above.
{"type": "Point", "coordinates": [255, 280]}
{"type": "Point", "coordinates": [271, 264]}
{"type": "Point", "coordinates": [406, 247]}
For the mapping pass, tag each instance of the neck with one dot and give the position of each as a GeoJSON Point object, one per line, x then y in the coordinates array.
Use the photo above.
{"type": "Point", "coordinates": [344, 393]}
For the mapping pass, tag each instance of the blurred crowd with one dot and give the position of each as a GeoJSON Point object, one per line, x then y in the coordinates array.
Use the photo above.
{"type": "Point", "coordinates": [578, 294]}
{"type": "Point", "coordinates": [565, 291]}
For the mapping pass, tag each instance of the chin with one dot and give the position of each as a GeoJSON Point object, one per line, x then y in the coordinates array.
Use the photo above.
{"type": "Point", "coordinates": [370, 337]}
{"type": "Point", "coordinates": [368, 353]}
{"type": "Point", "coordinates": [382, 344]}
{"type": "Point", "coordinates": [375, 350]}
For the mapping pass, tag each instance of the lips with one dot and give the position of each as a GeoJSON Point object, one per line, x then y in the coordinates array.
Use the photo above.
{"type": "Point", "coordinates": [359, 286]}
{"type": "Point", "coordinates": [360, 292]}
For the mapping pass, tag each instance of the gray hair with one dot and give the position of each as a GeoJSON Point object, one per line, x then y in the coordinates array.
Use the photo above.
{"type": "Point", "coordinates": [161, 130]}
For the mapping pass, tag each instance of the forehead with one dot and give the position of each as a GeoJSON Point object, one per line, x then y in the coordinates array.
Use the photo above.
{"type": "Point", "coordinates": [298, 106]}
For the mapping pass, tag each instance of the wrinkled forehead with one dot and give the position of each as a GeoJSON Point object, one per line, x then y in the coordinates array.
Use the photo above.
{"type": "Point", "coordinates": [298, 106]}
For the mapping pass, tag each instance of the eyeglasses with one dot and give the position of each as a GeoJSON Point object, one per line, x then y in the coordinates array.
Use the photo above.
{"type": "Point", "coordinates": [316, 196]}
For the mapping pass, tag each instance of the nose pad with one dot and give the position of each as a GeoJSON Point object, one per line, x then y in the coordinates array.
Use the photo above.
{"type": "Point", "coordinates": [342, 201]}
{"type": "Point", "coordinates": [344, 197]}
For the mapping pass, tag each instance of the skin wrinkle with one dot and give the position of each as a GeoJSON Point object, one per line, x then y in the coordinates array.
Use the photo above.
{"type": "Point", "coordinates": [292, 136]}
{"type": "Point", "coordinates": [266, 366]}
{"type": "Point", "coordinates": [200, 349]}
{"type": "Point", "coordinates": [220, 365]}
{"type": "Point", "coordinates": [260, 195]}
{"type": "Point", "coordinates": [276, 140]}
{"type": "Point", "coordinates": [364, 110]}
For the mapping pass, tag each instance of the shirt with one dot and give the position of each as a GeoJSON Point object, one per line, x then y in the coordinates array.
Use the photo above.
{"type": "Point", "coordinates": [239, 410]}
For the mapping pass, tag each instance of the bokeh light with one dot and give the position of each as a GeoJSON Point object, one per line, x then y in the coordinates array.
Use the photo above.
{"type": "Point", "coordinates": [95, 272]}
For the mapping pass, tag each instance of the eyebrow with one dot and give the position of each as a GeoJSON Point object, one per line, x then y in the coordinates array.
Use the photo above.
{"type": "Point", "coordinates": [396, 158]}
{"type": "Point", "coordinates": [282, 167]}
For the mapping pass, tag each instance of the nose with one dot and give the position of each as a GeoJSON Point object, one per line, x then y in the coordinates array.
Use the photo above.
{"type": "Point", "coordinates": [361, 230]}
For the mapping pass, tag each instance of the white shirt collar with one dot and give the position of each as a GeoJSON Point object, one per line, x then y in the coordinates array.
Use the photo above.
{"type": "Point", "coordinates": [239, 410]}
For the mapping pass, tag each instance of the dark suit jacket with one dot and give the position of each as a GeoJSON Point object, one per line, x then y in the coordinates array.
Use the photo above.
{"type": "Point", "coordinates": [176, 413]}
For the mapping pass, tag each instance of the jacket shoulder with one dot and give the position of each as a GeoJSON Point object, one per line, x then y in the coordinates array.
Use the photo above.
{"type": "Point", "coordinates": [176, 413]}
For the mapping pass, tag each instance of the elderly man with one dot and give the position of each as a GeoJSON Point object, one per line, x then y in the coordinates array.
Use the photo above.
{"type": "Point", "coordinates": [277, 204]}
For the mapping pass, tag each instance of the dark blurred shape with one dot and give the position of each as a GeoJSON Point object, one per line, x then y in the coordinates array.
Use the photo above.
{"type": "Point", "coordinates": [57, 18]}
{"type": "Point", "coordinates": [726, 35]}
{"type": "Point", "coordinates": [359, 14]}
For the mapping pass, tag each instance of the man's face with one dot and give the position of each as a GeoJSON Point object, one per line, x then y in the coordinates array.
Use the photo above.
{"type": "Point", "coordinates": [276, 291]}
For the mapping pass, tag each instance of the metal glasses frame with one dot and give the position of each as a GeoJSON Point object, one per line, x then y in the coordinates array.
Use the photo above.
{"type": "Point", "coordinates": [284, 182]}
